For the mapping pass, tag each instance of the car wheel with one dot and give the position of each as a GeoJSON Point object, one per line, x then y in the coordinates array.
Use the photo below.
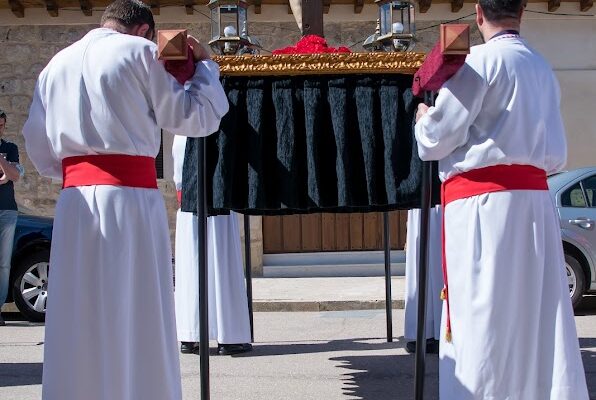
{"type": "Point", "coordinates": [575, 278]}
{"type": "Point", "coordinates": [30, 286]}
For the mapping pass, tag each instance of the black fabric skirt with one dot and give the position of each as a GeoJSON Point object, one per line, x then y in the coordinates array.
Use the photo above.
{"type": "Point", "coordinates": [310, 144]}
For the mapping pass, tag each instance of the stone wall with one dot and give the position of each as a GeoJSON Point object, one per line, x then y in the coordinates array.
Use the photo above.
{"type": "Point", "coordinates": [27, 49]}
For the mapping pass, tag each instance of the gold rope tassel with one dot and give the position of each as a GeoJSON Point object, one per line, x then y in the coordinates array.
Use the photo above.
{"type": "Point", "coordinates": [448, 330]}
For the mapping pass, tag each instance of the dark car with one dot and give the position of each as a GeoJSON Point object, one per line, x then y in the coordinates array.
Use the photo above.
{"type": "Point", "coordinates": [30, 265]}
{"type": "Point", "coordinates": [574, 195]}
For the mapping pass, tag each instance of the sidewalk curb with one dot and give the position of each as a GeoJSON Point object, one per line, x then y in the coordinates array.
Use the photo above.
{"type": "Point", "coordinates": [298, 306]}
{"type": "Point", "coordinates": [316, 306]}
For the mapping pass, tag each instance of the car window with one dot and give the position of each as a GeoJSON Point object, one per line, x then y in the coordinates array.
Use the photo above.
{"type": "Point", "coordinates": [573, 197]}
{"type": "Point", "coordinates": [590, 189]}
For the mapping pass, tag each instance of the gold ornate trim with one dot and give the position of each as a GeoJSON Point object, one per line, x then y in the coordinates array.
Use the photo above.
{"type": "Point", "coordinates": [320, 64]}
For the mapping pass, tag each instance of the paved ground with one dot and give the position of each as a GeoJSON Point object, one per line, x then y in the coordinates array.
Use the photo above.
{"type": "Point", "coordinates": [326, 294]}
{"type": "Point", "coordinates": [297, 356]}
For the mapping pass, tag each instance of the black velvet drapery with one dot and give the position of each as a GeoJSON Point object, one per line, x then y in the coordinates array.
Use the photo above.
{"type": "Point", "coordinates": [306, 144]}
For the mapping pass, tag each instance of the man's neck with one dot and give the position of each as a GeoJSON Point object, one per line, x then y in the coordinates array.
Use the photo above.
{"type": "Point", "coordinates": [115, 26]}
{"type": "Point", "coordinates": [492, 29]}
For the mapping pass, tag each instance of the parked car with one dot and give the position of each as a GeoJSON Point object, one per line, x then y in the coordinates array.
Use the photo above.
{"type": "Point", "coordinates": [30, 265]}
{"type": "Point", "coordinates": [574, 194]}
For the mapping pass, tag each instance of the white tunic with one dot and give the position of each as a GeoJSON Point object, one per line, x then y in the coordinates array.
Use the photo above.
{"type": "Point", "coordinates": [434, 305]}
{"type": "Point", "coordinates": [110, 327]}
{"type": "Point", "coordinates": [228, 305]}
{"type": "Point", "coordinates": [514, 335]}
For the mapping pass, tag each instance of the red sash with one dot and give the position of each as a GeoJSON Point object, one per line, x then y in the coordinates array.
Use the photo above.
{"type": "Point", "coordinates": [109, 169]}
{"type": "Point", "coordinates": [179, 196]}
{"type": "Point", "coordinates": [497, 178]}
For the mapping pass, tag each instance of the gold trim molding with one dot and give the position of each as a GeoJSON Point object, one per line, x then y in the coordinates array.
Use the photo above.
{"type": "Point", "coordinates": [320, 64]}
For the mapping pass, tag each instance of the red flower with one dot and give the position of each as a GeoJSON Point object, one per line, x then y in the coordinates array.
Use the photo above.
{"type": "Point", "coordinates": [311, 44]}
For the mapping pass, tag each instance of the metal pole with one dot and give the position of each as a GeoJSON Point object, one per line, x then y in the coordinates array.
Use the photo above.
{"type": "Point", "coordinates": [203, 275]}
{"type": "Point", "coordinates": [388, 299]}
{"type": "Point", "coordinates": [248, 273]}
{"type": "Point", "coordinates": [426, 194]}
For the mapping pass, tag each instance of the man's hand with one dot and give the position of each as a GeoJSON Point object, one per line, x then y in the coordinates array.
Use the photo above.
{"type": "Point", "coordinates": [8, 170]}
{"type": "Point", "coordinates": [199, 51]}
{"type": "Point", "coordinates": [422, 109]}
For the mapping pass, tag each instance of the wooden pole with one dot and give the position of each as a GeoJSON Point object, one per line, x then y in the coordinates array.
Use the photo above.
{"type": "Point", "coordinates": [312, 17]}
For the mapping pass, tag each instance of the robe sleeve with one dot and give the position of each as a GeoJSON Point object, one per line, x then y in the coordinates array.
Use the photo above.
{"type": "Point", "coordinates": [194, 109]}
{"type": "Point", "coordinates": [446, 126]}
{"type": "Point", "coordinates": [556, 159]}
{"type": "Point", "coordinates": [37, 143]}
{"type": "Point", "coordinates": [178, 149]}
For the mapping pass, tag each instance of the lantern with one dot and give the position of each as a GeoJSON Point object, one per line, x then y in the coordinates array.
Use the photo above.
{"type": "Point", "coordinates": [396, 27]}
{"type": "Point", "coordinates": [229, 30]}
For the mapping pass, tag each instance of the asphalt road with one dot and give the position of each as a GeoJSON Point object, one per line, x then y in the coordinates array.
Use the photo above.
{"type": "Point", "coordinates": [299, 355]}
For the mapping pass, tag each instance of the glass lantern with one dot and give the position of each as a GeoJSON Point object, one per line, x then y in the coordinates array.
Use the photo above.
{"type": "Point", "coordinates": [396, 27]}
{"type": "Point", "coordinates": [229, 35]}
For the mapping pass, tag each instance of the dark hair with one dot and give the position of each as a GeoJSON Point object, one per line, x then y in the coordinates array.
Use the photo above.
{"type": "Point", "coordinates": [3, 115]}
{"type": "Point", "coordinates": [129, 13]}
{"type": "Point", "coordinates": [497, 10]}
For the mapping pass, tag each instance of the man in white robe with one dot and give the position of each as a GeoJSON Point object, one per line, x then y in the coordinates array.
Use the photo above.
{"type": "Point", "coordinates": [95, 120]}
{"type": "Point", "coordinates": [497, 131]}
{"type": "Point", "coordinates": [228, 305]}
{"type": "Point", "coordinates": [434, 280]}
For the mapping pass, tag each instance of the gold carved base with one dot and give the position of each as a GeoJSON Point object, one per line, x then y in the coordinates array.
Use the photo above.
{"type": "Point", "coordinates": [320, 64]}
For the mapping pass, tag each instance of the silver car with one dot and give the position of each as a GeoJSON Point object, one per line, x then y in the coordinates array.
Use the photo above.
{"type": "Point", "coordinates": [574, 194]}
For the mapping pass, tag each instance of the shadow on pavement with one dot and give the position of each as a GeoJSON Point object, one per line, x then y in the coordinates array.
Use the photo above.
{"type": "Point", "coordinates": [589, 358]}
{"type": "Point", "coordinates": [587, 306]}
{"type": "Point", "coordinates": [391, 377]}
{"type": "Point", "coordinates": [386, 377]}
{"type": "Point", "coordinates": [358, 344]}
{"type": "Point", "coordinates": [20, 374]}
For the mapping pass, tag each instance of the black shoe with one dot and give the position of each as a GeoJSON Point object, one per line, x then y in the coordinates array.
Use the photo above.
{"type": "Point", "coordinates": [432, 346]}
{"type": "Point", "coordinates": [2, 323]}
{"type": "Point", "coordinates": [230, 349]}
{"type": "Point", "coordinates": [189, 348]}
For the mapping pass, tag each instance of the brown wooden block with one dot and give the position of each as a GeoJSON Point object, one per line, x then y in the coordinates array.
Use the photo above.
{"type": "Point", "coordinates": [356, 231]}
{"type": "Point", "coordinates": [17, 8]}
{"type": "Point", "coordinates": [328, 231]}
{"type": "Point", "coordinates": [373, 231]}
{"type": "Point", "coordinates": [292, 239]}
{"type": "Point", "coordinates": [171, 44]}
{"type": "Point", "coordinates": [342, 232]}
{"type": "Point", "coordinates": [311, 232]}
{"type": "Point", "coordinates": [272, 238]}
{"type": "Point", "coordinates": [455, 38]}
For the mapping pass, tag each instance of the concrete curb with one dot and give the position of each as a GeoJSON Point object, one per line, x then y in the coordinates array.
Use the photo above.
{"type": "Point", "coordinates": [316, 306]}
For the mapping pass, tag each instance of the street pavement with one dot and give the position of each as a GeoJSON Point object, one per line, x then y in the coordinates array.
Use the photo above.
{"type": "Point", "coordinates": [297, 356]}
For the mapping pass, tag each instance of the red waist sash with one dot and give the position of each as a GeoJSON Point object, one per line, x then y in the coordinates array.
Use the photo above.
{"type": "Point", "coordinates": [179, 196]}
{"type": "Point", "coordinates": [497, 178]}
{"type": "Point", "coordinates": [109, 169]}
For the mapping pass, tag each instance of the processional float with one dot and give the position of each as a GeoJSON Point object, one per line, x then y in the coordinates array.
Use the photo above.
{"type": "Point", "coordinates": [314, 133]}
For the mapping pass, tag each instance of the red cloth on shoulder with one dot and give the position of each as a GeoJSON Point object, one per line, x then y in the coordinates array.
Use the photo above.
{"type": "Point", "coordinates": [182, 70]}
{"type": "Point", "coordinates": [436, 70]}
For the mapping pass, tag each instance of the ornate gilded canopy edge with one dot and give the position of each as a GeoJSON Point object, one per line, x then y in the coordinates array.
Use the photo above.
{"type": "Point", "coordinates": [320, 64]}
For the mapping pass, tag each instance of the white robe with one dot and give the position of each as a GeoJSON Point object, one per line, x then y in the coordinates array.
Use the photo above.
{"type": "Point", "coordinates": [514, 335]}
{"type": "Point", "coordinates": [110, 327]}
{"type": "Point", "coordinates": [434, 305]}
{"type": "Point", "coordinates": [228, 306]}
